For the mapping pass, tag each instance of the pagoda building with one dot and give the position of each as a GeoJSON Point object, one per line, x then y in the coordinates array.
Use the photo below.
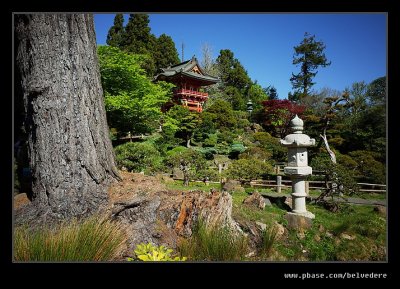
{"type": "Point", "coordinates": [188, 78]}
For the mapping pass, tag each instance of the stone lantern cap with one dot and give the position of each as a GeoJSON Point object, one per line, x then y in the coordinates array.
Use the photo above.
{"type": "Point", "coordinates": [297, 138]}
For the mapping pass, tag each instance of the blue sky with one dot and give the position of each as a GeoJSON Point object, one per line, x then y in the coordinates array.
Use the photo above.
{"type": "Point", "coordinates": [263, 43]}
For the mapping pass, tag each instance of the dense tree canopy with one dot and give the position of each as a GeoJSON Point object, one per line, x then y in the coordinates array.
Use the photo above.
{"type": "Point", "coordinates": [132, 101]}
{"type": "Point", "coordinates": [136, 38]}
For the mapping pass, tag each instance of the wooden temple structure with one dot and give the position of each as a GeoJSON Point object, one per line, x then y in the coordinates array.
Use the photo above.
{"type": "Point", "coordinates": [188, 77]}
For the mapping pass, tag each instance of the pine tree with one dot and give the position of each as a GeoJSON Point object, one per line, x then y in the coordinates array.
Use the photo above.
{"type": "Point", "coordinates": [236, 81]}
{"type": "Point", "coordinates": [138, 40]}
{"type": "Point", "coordinates": [137, 37]}
{"type": "Point", "coordinates": [165, 53]}
{"type": "Point", "coordinates": [310, 54]}
{"type": "Point", "coordinates": [116, 32]}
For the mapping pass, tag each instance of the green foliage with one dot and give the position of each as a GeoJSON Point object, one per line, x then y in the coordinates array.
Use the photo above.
{"type": "Point", "coordinates": [338, 174]}
{"type": "Point", "coordinates": [149, 252]}
{"type": "Point", "coordinates": [376, 91]}
{"type": "Point", "coordinates": [257, 95]}
{"type": "Point", "coordinates": [268, 238]}
{"type": "Point", "coordinates": [93, 239]}
{"type": "Point", "coordinates": [211, 140]}
{"type": "Point", "coordinates": [221, 114]}
{"type": "Point", "coordinates": [211, 174]}
{"type": "Point", "coordinates": [181, 123]}
{"type": "Point", "coordinates": [213, 244]}
{"type": "Point", "coordinates": [136, 38]}
{"type": "Point", "coordinates": [165, 52]}
{"type": "Point", "coordinates": [236, 149]}
{"type": "Point", "coordinates": [188, 161]}
{"type": "Point", "coordinates": [369, 169]}
{"type": "Point", "coordinates": [116, 33]}
{"type": "Point", "coordinates": [310, 55]}
{"type": "Point", "coordinates": [231, 70]}
{"type": "Point", "coordinates": [271, 144]}
{"type": "Point", "coordinates": [138, 157]}
{"type": "Point", "coordinates": [235, 97]}
{"type": "Point", "coordinates": [256, 153]}
{"type": "Point", "coordinates": [248, 169]}
{"type": "Point", "coordinates": [132, 101]}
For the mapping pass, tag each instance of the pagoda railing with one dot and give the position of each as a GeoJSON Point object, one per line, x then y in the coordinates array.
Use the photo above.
{"type": "Point", "coordinates": [190, 92]}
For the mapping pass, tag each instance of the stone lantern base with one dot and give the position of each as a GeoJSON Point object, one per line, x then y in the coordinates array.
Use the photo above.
{"type": "Point", "coordinates": [305, 214]}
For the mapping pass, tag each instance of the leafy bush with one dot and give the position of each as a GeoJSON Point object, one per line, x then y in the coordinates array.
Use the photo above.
{"type": "Point", "coordinates": [369, 169]}
{"type": "Point", "coordinates": [189, 162]}
{"type": "Point", "coordinates": [211, 140]}
{"type": "Point", "coordinates": [236, 149]}
{"type": "Point", "coordinates": [138, 157]}
{"type": "Point", "coordinates": [149, 252]}
{"type": "Point", "coordinates": [335, 174]}
{"type": "Point", "coordinates": [208, 152]}
{"type": "Point", "coordinates": [248, 169]}
{"type": "Point", "coordinates": [213, 244]}
{"type": "Point", "coordinates": [266, 141]}
{"type": "Point", "coordinates": [93, 239]}
{"type": "Point", "coordinates": [210, 173]}
{"type": "Point", "coordinates": [256, 153]}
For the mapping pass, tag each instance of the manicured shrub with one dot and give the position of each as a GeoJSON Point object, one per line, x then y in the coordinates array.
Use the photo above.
{"type": "Point", "coordinates": [138, 157]}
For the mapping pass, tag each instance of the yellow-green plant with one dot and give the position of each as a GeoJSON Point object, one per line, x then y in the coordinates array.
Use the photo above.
{"type": "Point", "coordinates": [149, 252]}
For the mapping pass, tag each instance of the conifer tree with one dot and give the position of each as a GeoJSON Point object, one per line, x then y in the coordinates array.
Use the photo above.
{"type": "Point", "coordinates": [116, 32]}
{"type": "Point", "coordinates": [310, 55]}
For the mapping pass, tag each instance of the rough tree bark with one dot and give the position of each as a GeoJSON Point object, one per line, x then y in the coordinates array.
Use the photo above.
{"type": "Point", "coordinates": [71, 157]}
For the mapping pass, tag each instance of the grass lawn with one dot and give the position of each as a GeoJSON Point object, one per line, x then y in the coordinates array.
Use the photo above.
{"type": "Point", "coordinates": [356, 233]}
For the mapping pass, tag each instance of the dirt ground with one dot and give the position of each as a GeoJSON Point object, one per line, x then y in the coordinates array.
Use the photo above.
{"type": "Point", "coordinates": [134, 184]}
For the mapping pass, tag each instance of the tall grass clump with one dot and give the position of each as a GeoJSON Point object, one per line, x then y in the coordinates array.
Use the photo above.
{"type": "Point", "coordinates": [268, 237]}
{"type": "Point", "coordinates": [213, 244]}
{"type": "Point", "coordinates": [93, 239]}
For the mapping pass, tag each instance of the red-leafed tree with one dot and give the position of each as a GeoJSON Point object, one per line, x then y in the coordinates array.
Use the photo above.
{"type": "Point", "coordinates": [277, 115]}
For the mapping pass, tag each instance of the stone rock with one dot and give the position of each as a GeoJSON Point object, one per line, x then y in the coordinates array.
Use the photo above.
{"type": "Point", "coordinates": [288, 201]}
{"type": "Point", "coordinates": [164, 178]}
{"type": "Point", "coordinates": [301, 235]}
{"type": "Point", "coordinates": [256, 127]}
{"type": "Point", "coordinates": [267, 202]}
{"type": "Point", "coordinates": [321, 228]}
{"type": "Point", "coordinates": [317, 238]}
{"type": "Point", "coordinates": [262, 226]}
{"type": "Point", "coordinates": [280, 230]}
{"type": "Point", "coordinates": [255, 200]}
{"type": "Point", "coordinates": [231, 186]}
{"type": "Point", "coordinates": [251, 254]}
{"type": "Point", "coordinates": [297, 222]}
{"type": "Point", "coordinates": [381, 210]}
{"type": "Point", "coordinates": [239, 189]}
{"type": "Point", "coordinates": [347, 237]}
{"type": "Point", "coordinates": [328, 234]}
{"type": "Point", "coordinates": [177, 174]}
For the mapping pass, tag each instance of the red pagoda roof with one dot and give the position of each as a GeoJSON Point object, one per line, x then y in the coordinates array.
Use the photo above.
{"type": "Point", "coordinates": [188, 69]}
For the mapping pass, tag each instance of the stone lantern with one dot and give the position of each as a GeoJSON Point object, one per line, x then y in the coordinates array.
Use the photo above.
{"type": "Point", "coordinates": [298, 168]}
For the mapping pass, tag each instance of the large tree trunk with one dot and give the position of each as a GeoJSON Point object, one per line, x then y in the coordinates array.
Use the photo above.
{"type": "Point", "coordinates": [71, 157]}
